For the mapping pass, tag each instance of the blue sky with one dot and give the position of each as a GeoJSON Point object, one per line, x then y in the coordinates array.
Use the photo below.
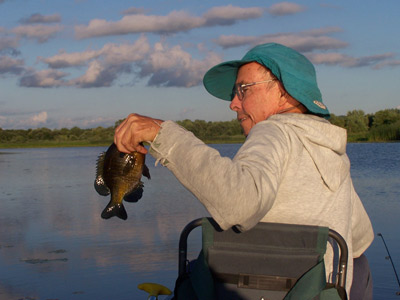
{"type": "Point", "coordinates": [88, 63]}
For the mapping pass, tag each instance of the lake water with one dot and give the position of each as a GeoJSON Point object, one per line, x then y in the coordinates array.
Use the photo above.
{"type": "Point", "coordinates": [54, 245]}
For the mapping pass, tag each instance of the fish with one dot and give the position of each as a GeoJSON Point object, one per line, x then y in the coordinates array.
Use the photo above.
{"type": "Point", "coordinates": [119, 174]}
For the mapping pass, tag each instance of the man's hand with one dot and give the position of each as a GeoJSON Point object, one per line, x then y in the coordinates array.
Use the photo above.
{"type": "Point", "coordinates": [134, 130]}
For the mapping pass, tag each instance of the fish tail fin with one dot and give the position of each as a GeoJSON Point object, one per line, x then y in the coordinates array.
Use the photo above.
{"type": "Point", "coordinates": [114, 209]}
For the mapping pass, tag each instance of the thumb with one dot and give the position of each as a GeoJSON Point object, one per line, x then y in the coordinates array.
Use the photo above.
{"type": "Point", "coordinates": [141, 149]}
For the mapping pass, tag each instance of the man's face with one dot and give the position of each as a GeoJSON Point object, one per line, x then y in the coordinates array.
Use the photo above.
{"type": "Point", "coordinates": [259, 101]}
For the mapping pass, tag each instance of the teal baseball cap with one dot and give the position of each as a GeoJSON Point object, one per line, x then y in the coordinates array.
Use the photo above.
{"type": "Point", "coordinates": [292, 69]}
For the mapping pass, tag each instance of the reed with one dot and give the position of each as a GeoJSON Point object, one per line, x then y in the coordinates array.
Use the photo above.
{"type": "Point", "coordinates": [384, 133]}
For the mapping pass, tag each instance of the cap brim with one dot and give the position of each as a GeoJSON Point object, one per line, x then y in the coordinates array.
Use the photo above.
{"type": "Point", "coordinates": [220, 80]}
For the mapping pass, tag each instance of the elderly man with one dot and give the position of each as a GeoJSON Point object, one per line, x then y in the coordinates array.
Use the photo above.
{"type": "Point", "coordinates": [292, 168]}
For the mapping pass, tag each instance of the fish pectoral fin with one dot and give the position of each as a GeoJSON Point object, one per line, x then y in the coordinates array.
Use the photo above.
{"type": "Point", "coordinates": [135, 195]}
{"type": "Point", "coordinates": [146, 172]}
{"type": "Point", "coordinates": [114, 209]}
{"type": "Point", "coordinates": [101, 187]}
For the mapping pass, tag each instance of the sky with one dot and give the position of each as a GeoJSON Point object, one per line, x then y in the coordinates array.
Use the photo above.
{"type": "Point", "coordinates": [89, 63]}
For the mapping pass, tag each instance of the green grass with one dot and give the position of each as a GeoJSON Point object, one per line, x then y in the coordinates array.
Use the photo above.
{"type": "Point", "coordinates": [357, 137]}
{"type": "Point", "coordinates": [62, 144]}
{"type": "Point", "coordinates": [235, 139]}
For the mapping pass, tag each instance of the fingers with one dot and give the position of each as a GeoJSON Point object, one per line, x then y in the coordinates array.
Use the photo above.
{"type": "Point", "coordinates": [123, 138]}
{"type": "Point", "coordinates": [141, 149]}
{"type": "Point", "coordinates": [135, 130]}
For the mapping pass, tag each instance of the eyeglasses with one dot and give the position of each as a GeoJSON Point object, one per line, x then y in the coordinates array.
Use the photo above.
{"type": "Point", "coordinates": [240, 88]}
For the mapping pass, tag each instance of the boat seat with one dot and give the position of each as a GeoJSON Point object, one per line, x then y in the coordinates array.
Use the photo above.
{"type": "Point", "coordinates": [271, 261]}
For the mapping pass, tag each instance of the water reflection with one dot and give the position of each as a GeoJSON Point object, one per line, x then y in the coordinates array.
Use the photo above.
{"type": "Point", "coordinates": [376, 176]}
{"type": "Point", "coordinates": [54, 245]}
{"type": "Point", "coordinates": [49, 204]}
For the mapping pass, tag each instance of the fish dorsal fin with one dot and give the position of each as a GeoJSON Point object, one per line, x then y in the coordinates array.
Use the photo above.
{"type": "Point", "coordinates": [100, 164]}
{"type": "Point", "coordinates": [146, 172]}
{"type": "Point", "coordinates": [99, 184]}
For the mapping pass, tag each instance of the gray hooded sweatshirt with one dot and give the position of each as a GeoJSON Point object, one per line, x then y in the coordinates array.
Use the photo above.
{"type": "Point", "coordinates": [292, 168]}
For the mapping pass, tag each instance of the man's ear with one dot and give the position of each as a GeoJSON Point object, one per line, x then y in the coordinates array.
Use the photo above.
{"type": "Point", "coordinates": [283, 99]}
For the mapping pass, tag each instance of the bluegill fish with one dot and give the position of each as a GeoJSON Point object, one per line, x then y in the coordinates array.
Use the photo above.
{"type": "Point", "coordinates": [119, 174]}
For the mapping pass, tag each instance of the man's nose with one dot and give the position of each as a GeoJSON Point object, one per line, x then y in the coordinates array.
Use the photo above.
{"type": "Point", "coordinates": [235, 103]}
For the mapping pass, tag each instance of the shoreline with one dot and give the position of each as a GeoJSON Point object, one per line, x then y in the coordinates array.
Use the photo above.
{"type": "Point", "coordinates": [106, 144]}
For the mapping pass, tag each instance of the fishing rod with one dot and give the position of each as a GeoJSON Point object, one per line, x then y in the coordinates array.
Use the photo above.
{"type": "Point", "coordinates": [390, 258]}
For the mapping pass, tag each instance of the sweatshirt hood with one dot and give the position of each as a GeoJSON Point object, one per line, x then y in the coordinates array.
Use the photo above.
{"type": "Point", "coordinates": [326, 144]}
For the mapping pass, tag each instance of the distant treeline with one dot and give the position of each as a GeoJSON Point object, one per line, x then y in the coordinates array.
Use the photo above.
{"type": "Point", "coordinates": [382, 126]}
{"type": "Point", "coordinates": [44, 137]}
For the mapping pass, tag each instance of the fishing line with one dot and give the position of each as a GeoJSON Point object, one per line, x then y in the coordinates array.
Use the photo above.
{"type": "Point", "coordinates": [390, 258]}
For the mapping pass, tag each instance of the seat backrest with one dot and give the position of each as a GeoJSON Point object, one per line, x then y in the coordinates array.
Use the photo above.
{"type": "Point", "coordinates": [267, 262]}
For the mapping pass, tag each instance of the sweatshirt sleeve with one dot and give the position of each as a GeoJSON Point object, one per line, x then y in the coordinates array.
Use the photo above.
{"type": "Point", "coordinates": [237, 191]}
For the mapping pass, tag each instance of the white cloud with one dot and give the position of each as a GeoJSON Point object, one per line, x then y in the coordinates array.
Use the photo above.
{"type": "Point", "coordinates": [111, 54]}
{"type": "Point", "coordinates": [104, 65]}
{"type": "Point", "coordinates": [161, 65]}
{"type": "Point", "coordinates": [38, 32]}
{"type": "Point", "coordinates": [15, 120]}
{"type": "Point", "coordinates": [374, 61]}
{"type": "Point", "coordinates": [285, 8]}
{"type": "Point", "coordinates": [10, 65]}
{"type": "Point", "coordinates": [39, 18]}
{"type": "Point", "coordinates": [330, 58]}
{"type": "Point", "coordinates": [64, 60]}
{"type": "Point", "coordinates": [310, 42]}
{"type": "Point", "coordinates": [176, 21]}
{"type": "Point", "coordinates": [133, 11]}
{"type": "Point", "coordinates": [126, 53]}
{"type": "Point", "coordinates": [84, 122]}
{"type": "Point", "coordinates": [8, 43]}
{"type": "Point", "coordinates": [92, 74]}
{"type": "Point", "coordinates": [305, 41]}
{"type": "Point", "coordinates": [40, 118]}
{"type": "Point", "coordinates": [43, 78]}
{"type": "Point", "coordinates": [387, 63]}
{"type": "Point", "coordinates": [176, 67]}
{"type": "Point", "coordinates": [228, 15]}
{"type": "Point", "coordinates": [99, 75]}
{"type": "Point", "coordinates": [231, 41]}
